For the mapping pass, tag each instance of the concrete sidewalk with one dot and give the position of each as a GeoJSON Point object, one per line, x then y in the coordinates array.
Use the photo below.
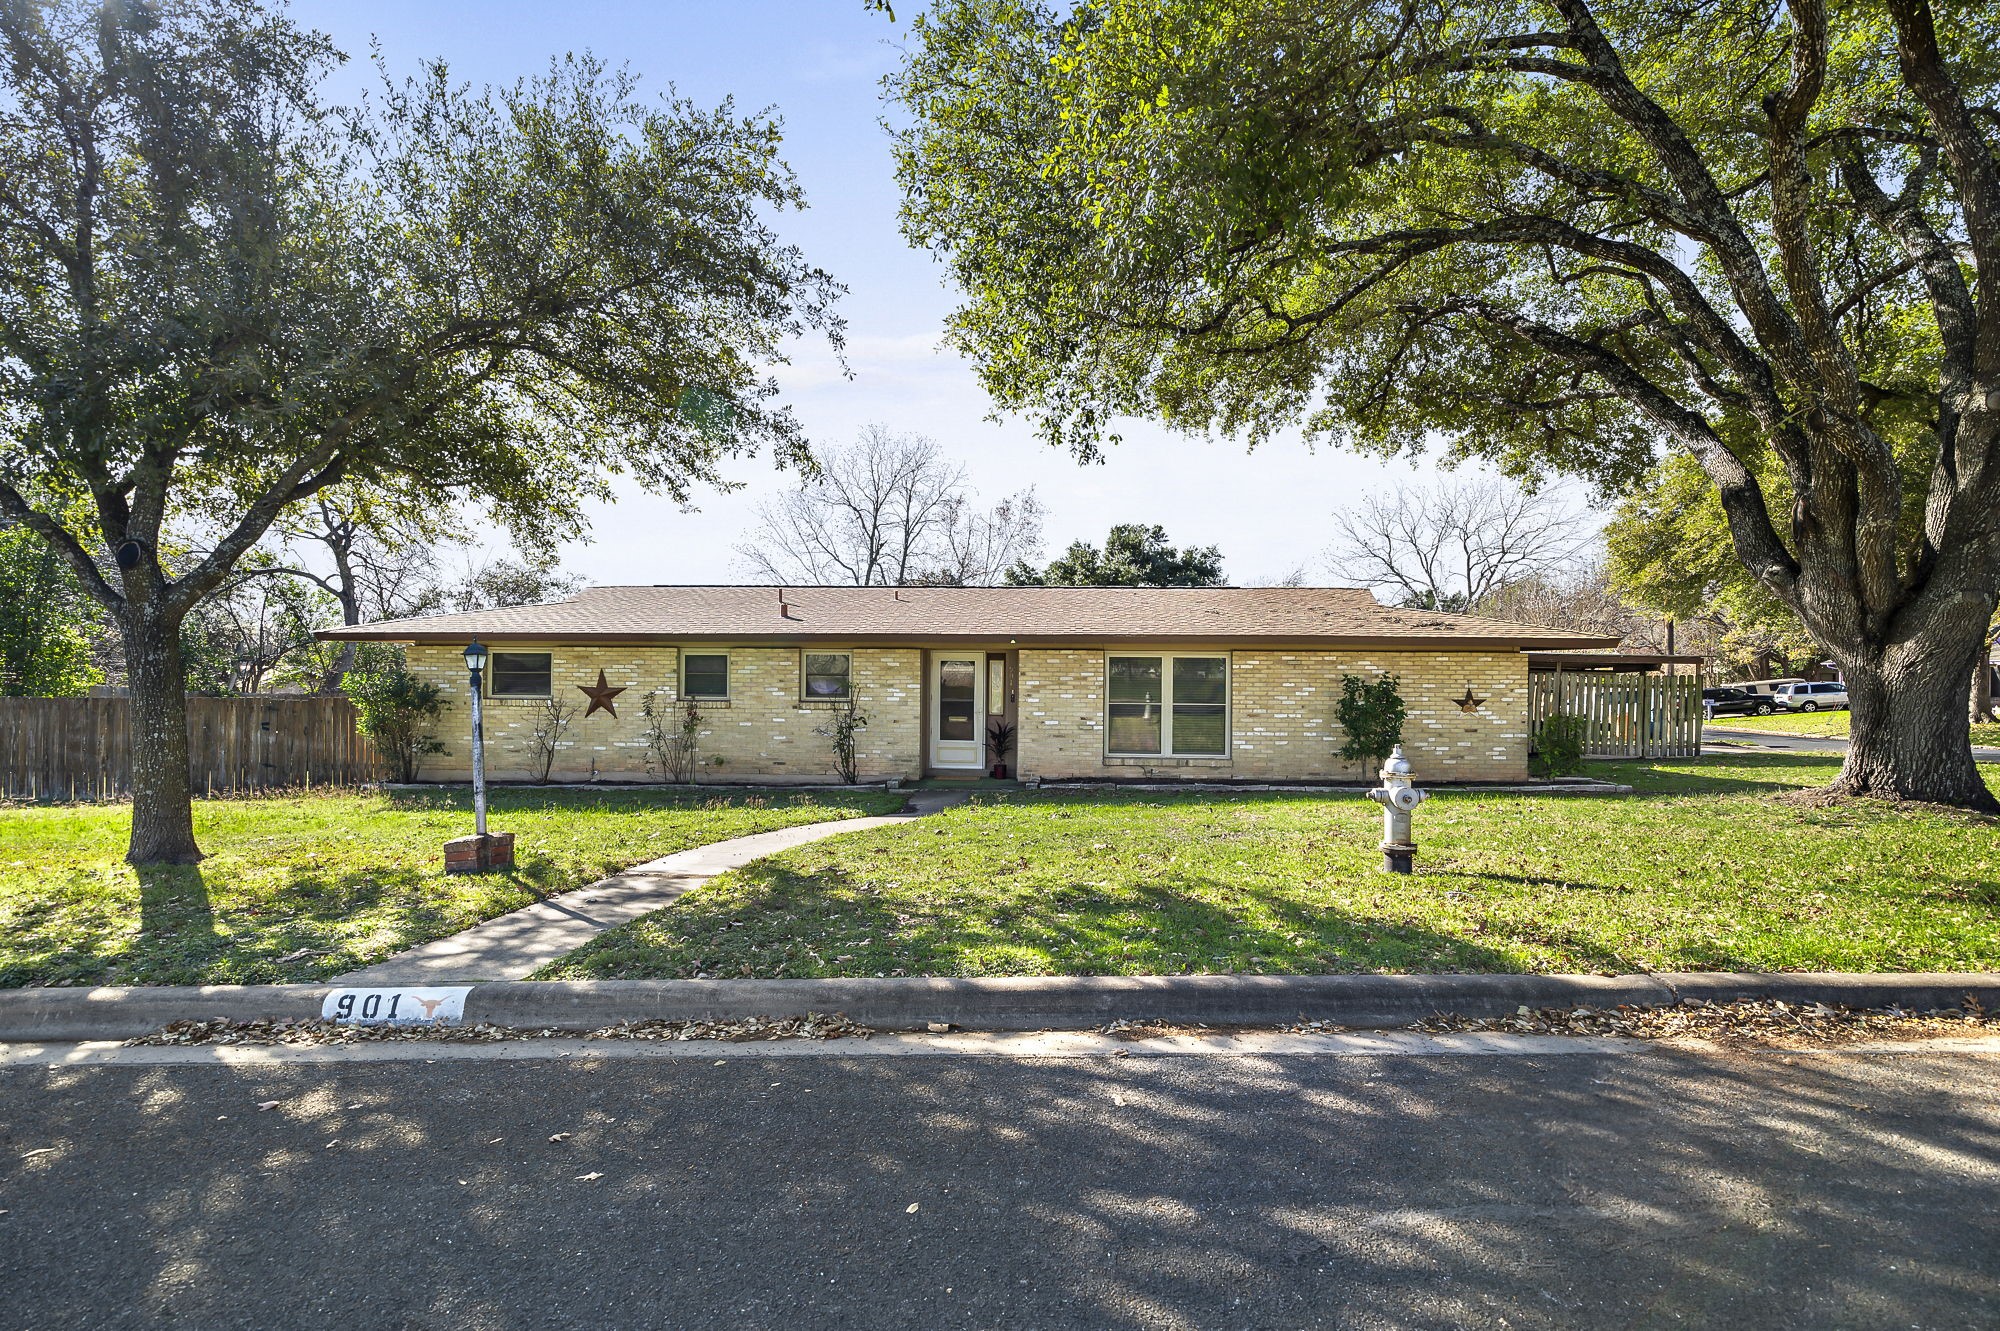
{"type": "Point", "coordinates": [516, 945]}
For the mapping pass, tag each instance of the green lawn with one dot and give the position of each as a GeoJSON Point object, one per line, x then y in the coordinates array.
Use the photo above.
{"type": "Point", "coordinates": [1702, 870]}
{"type": "Point", "coordinates": [1827, 725]}
{"type": "Point", "coordinates": [302, 887]}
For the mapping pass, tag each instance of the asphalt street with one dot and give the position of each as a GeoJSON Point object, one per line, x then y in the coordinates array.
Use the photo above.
{"type": "Point", "coordinates": [1658, 1188]}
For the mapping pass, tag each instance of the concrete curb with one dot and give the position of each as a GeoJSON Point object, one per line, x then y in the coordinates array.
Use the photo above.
{"type": "Point", "coordinates": [998, 1004]}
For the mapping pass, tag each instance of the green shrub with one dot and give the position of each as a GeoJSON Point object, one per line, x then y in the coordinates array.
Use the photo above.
{"type": "Point", "coordinates": [1559, 746]}
{"type": "Point", "coordinates": [1371, 713]}
{"type": "Point", "coordinates": [398, 711]}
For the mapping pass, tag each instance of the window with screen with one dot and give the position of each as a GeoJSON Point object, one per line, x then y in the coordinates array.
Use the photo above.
{"type": "Point", "coordinates": [827, 676]}
{"type": "Point", "coordinates": [704, 675]}
{"type": "Point", "coordinates": [1175, 706]}
{"type": "Point", "coordinates": [518, 675]}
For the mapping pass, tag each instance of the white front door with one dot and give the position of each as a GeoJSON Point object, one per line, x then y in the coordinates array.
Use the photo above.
{"type": "Point", "coordinates": [958, 711]}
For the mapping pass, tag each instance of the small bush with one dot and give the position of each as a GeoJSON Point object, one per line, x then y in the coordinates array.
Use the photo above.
{"type": "Point", "coordinates": [397, 711]}
{"type": "Point", "coordinates": [1559, 746]}
{"type": "Point", "coordinates": [844, 730]}
{"type": "Point", "coordinates": [1371, 713]}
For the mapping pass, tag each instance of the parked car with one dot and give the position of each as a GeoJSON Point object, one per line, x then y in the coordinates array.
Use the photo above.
{"type": "Point", "coordinates": [1765, 688]}
{"type": "Point", "coordinates": [1812, 697]}
{"type": "Point", "coordinates": [1730, 700]}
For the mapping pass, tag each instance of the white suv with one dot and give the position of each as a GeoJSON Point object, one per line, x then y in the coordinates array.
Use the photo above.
{"type": "Point", "coordinates": [1811, 697]}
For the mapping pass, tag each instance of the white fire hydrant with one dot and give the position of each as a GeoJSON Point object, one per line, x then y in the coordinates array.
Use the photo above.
{"type": "Point", "coordinates": [1398, 797]}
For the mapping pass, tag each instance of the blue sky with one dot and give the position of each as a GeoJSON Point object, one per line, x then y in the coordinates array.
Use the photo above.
{"type": "Point", "coordinates": [818, 62]}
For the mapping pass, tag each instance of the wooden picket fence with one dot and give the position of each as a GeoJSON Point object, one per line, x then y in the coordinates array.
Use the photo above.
{"type": "Point", "coordinates": [54, 749]}
{"type": "Point", "coordinates": [1631, 714]}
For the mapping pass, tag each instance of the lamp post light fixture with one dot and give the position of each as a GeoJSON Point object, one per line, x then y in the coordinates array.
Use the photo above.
{"type": "Point", "coordinates": [478, 852]}
{"type": "Point", "coordinates": [475, 662]}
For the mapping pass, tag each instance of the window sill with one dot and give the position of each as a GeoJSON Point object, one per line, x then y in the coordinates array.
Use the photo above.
{"type": "Point", "coordinates": [821, 704]}
{"type": "Point", "coordinates": [1165, 760]}
{"type": "Point", "coordinates": [719, 704]}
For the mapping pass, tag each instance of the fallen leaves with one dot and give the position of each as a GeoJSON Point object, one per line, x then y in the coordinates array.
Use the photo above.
{"type": "Point", "coordinates": [1753, 1021]}
{"type": "Point", "coordinates": [266, 1106]}
{"type": "Point", "coordinates": [591, 1177]}
{"type": "Point", "coordinates": [560, 1137]}
{"type": "Point", "coordinates": [911, 1209]}
{"type": "Point", "coordinates": [311, 1031]}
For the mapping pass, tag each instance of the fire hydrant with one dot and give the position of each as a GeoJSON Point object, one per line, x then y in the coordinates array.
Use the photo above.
{"type": "Point", "coordinates": [1398, 797]}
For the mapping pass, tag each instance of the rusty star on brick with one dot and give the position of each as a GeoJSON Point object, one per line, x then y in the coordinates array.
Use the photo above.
{"type": "Point", "coordinates": [1468, 703]}
{"type": "Point", "coordinates": [600, 695]}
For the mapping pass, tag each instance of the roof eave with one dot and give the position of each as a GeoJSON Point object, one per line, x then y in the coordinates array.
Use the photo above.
{"type": "Point", "coordinates": [1466, 642]}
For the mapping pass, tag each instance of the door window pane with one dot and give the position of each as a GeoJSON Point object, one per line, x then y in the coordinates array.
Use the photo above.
{"type": "Point", "coordinates": [827, 674]}
{"type": "Point", "coordinates": [705, 675]}
{"type": "Point", "coordinates": [958, 690]}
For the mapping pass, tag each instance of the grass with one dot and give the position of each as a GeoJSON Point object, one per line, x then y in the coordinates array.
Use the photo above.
{"type": "Point", "coordinates": [1703, 870]}
{"type": "Point", "coordinates": [1825, 725]}
{"type": "Point", "coordinates": [302, 887]}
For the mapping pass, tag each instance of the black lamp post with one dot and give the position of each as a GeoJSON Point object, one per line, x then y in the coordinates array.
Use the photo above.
{"type": "Point", "coordinates": [475, 661]}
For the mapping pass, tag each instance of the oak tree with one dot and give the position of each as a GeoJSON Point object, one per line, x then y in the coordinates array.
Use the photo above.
{"type": "Point", "coordinates": [219, 298]}
{"type": "Point", "coordinates": [1560, 235]}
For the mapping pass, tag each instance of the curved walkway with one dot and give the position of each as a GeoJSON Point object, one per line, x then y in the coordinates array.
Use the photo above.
{"type": "Point", "coordinates": [516, 945]}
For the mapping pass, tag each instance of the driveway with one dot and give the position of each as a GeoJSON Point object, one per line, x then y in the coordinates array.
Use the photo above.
{"type": "Point", "coordinates": [1646, 1188]}
{"type": "Point", "coordinates": [1714, 739]}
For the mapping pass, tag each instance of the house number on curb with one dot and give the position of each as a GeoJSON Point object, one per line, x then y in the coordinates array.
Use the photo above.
{"type": "Point", "coordinates": [396, 1007]}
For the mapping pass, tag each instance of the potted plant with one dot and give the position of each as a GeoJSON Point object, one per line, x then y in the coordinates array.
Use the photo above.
{"type": "Point", "coordinates": [999, 739]}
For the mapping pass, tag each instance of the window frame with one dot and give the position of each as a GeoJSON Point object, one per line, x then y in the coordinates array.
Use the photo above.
{"type": "Point", "coordinates": [687, 695]}
{"type": "Point", "coordinates": [492, 673]}
{"type": "Point", "coordinates": [1166, 658]}
{"type": "Point", "coordinates": [826, 699]}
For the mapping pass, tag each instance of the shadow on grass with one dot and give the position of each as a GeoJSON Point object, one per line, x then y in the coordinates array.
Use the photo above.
{"type": "Point", "coordinates": [1731, 775]}
{"type": "Point", "coordinates": [177, 931]}
{"type": "Point", "coordinates": [771, 922]}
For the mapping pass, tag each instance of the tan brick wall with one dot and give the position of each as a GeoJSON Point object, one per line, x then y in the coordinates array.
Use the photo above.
{"type": "Point", "coordinates": [1283, 724]}
{"type": "Point", "coordinates": [1282, 717]}
{"type": "Point", "coordinates": [763, 731]}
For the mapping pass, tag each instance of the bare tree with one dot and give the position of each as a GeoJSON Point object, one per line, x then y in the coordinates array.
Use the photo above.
{"type": "Point", "coordinates": [976, 546]}
{"type": "Point", "coordinates": [1454, 542]}
{"type": "Point", "coordinates": [889, 510]}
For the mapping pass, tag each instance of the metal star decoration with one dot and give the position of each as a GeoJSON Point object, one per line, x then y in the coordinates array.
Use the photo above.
{"type": "Point", "coordinates": [1468, 703]}
{"type": "Point", "coordinates": [600, 696]}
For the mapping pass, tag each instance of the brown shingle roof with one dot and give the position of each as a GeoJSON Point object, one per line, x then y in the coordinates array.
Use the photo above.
{"type": "Point", "coordinates": [1039, 615]}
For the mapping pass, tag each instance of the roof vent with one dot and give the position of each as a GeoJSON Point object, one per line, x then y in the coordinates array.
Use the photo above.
{"type": "Point", "coordinates": [784, 608]}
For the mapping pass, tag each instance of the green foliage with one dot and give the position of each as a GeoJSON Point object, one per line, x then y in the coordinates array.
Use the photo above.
{"type": "Point", "coordinates": [220, 298]}
{"type": "Point", "coordinates": [1371, 714]}
{"type": "Point", "coordinates": [46, 622]}
{"type": "Point", "coordinates": [1134, 555]}
{"type": "Point", "coordinates": [398, 711]}
{"type": "Point", "coordinates": [1559, 746]}
{"type": "Point", "coordinates": [1667, 550]}
{"type": "Point", "coordinates": [1553, 237]}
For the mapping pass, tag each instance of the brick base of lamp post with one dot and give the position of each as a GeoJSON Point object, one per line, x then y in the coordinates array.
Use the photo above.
{"type": "Point", "coordinates": [479, 854]}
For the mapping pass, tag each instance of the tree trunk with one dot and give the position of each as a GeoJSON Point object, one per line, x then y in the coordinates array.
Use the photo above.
{"type": "Point", "coordinates": [1907, 735]}
{"type": "Point", "coordinates": [162, 804]}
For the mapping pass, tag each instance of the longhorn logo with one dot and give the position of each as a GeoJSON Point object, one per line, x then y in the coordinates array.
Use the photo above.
{"type": "Point", "coordinates": [430, 1007]}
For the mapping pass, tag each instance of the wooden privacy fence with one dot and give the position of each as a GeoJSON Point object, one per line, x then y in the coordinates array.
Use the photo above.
{"type": "Point", "coordinates": [1631, 713]}
{"type": "Point", "coordinates": [81, 748]}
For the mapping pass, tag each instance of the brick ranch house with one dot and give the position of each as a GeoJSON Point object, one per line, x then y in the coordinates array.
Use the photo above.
{"type": "Point", "coordinates": [1214, 683]}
